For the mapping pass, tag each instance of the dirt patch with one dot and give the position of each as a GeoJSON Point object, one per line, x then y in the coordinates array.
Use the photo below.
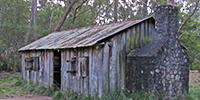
{"type": "Point", "coordinates": [28, 97]}
{"type": "Point", "coordinates": [194, 77]}
{"type": "Point", "coordinates": [8, 74]}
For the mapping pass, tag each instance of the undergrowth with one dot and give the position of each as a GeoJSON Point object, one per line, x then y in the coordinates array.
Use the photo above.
{"type": "Point", "coordinates": [13, 84]}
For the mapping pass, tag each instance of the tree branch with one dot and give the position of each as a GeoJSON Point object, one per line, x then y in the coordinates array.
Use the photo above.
{"type": "Point", "coordinates": [75, 12]}
{"type": "Point", "coordinates": [189, 16]}
{"type": "Point", "coordinates": [142, 2]}
{"type": "Point", "coordinates": [61, 22]}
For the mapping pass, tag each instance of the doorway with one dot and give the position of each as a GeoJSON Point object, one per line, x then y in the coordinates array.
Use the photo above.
{"type": "Point", "coordinates": [57, 70]}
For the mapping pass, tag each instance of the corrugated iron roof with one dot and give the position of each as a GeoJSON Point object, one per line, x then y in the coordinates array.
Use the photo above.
{"type": "Point", "coordinates": [82, 37]}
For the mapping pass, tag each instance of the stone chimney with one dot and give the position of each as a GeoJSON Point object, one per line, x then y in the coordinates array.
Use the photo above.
{"type": "Point", "coordinates": [167, 20]}
{"type": "Point", "coordinates": [172, 65]}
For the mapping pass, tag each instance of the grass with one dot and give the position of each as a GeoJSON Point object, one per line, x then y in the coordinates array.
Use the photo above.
{"type": "Point", "coordinates": [194, 93]}
{"type": "Point", "coordinates": [8, 87]}
{"type": "Point", "coordinates": [12, 84]}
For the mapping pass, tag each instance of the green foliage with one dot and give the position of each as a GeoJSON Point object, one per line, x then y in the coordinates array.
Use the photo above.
{"type": "Point", "coordinates": [15, 23]}
{"type": "Point", "coordinates": [194, 93]}
{"type": "Point", "coordinates": [190, 38]}
{"type": "Point", "coordinates": [14, 17]}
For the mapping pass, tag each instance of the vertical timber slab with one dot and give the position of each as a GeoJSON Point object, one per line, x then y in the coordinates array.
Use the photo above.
{"type": "Point", "coordinates": [51, 68]}
{"type": "Point", "coordinates": [74, 77]}
{"type": "Point", "coordinates": [136, 36]}
{"type": "Point", "coordinates": [91, 78]}
{"type": "Point", "coordinates": [123, 61]}
{"type": "Point", "coordinates": [43, 73]}
{"type": "Point", "coordinates": [80, 81]}
{"type": "Point", "coordinates": [63, 70]}
{"type": "Point", "coordinates": [86, 79]}
{"type": "Point", "coordinates": [46, 69]}
{"type": "Point", "coordinates": [47, 66]}
{"type": "Point", "coordinates": [34, 73]}
{"type": "Point", "coordinates": [71, 85]}
{"type": "Point", "coordinates": [113, 65]}
{"type": "Point", "coordinates": [93, 73]}
{"type": "Point", "coordinates": [67, 65]}
{"type": "Point", "coordinates": [145, 32]}
{"type": "Point", "coordinates": [27, 76]}
{"type": "Point", "coordinates": [106, 66]}
{"type": "Point", "coordinates": [99, 62]}
{"type": "Point", "coordinates": [23, 66]}
{"type": "Point", "coordinates": [77, 82]}
{"type": "Point", "coordinates": [118, 62]}
{"type": "Point", "coordinates": [142, 32]}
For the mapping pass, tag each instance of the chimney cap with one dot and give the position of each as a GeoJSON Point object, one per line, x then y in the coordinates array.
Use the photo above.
{"type": "Point", "coordinates": [166, 7]}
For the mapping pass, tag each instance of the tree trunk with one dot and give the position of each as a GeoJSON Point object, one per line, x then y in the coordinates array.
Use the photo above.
{"type": "Point", "coordinates": [33, 21]}
{"type": "Point", "coordinates": [145, 10]}
{"type": "Point", "coordinates": [115, 10]}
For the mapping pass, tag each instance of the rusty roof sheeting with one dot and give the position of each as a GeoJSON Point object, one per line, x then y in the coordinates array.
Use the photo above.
{"type": "Point", "coordinates": [82, 37]}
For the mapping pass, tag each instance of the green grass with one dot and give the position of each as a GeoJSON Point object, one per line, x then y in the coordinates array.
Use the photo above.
{"type": "Point", "coordinates": [8, 87]}
{"type": "Point", "coordinates": [12, 84]}
{"type": "Point", "coordinates": [194, 93]}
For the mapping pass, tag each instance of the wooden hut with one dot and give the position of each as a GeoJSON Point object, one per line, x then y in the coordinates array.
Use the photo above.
{"type": "Point", "coordinates": [100, 59]}
{"type": "Point", "coordinates": [86, 60]}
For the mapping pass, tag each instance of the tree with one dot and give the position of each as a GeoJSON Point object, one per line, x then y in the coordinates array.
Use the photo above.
{"type": "Point", "coordinates": [33, 21]}
{"type": "Point", "coordinates": [115, 14]}
{"type": "Point", "coordinates": [71, 4]}
{"type": "Point", "coordinates": [145, 6]}
{"type": "Point", "coordinates": [33, 18]}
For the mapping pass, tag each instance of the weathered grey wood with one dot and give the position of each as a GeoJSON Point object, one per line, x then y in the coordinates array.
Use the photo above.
{"type": "Point", "coordinates": [113, 65]}
{"type": "Point", "coordinates": [23, 66]}
{"type": "Point", "coordinates": [99, 63]}
{"type": "Point", "coordinates": [80, 80]}
{"type": "Point", "coordinates": [118, 65]}
{"type": "Point", "coordinates": [66, 66]}
{"type": "Point", "coordinates": [107, 62]}
{"type": "Point", "coordinates": [50, 61]}
{"type": "Point", "coordinates": [91, 72]}
{"type": "Point", "coordinates": [62, 70]}
{"type": "Point", "coordinates": [86, 79]}
{"type": "Point", "coordinates": [71, 85]}
{"type": "Point", "coordinates": [123, 61]}
{"type": "Point", "coordinates": [142, 32]}
{"type": "Point", "coordinates": [94, 73]}
{"type": "Point", "coordinates": [105, 68]}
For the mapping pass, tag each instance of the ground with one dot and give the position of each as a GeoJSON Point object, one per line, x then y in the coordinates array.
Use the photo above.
{"type": "Point", "coordinates": [11, 88]}
{"type": "Point", "coordinates": [10, 91]}
{"type": "Point", "coordinates": [28, 97]}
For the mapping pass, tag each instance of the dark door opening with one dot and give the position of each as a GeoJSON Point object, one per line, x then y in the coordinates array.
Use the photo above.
{"type": "Point", "coordinates": [57, 70]}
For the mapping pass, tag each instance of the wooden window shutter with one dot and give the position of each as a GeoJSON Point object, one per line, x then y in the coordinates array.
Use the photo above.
{"type": "Point", "coordinates": [29, 63]}
{"type": "Point", "coordinates": [36, 64]}
{"type": "Point", "coordinates": [71, 65]}
{"type": "Point", "coordinates": [83, 66]}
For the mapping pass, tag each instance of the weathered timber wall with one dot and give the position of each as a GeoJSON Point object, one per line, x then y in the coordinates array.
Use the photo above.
{"type": "Point", "coordinates": [45, 73]}
{"type": "Point", "coordinates": [107, 61]}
